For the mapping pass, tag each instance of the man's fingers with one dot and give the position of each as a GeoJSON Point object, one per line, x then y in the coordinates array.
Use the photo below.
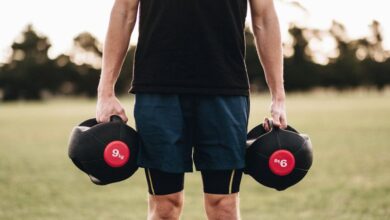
{"type": "Point", "coordinates": [276, 118]}
{"type": "Point", "coordinates": [265, 125]}
{"type": "Point", "coordinates": [278, 114]}
{"type": "Point", "coordinates": [108, 107]}
{"type": "Point", "coordinates": [283, 122]}
{"type": "Point", "coordinates": [103, 119]}
{"type": "Point", "coordinates": [276, 121]}
{"type": "Point", "coordinates": [123, 116]}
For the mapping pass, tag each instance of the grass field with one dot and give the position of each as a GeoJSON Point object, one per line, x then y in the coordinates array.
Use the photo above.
{"type": "Point", "coordinates": [350, 177]}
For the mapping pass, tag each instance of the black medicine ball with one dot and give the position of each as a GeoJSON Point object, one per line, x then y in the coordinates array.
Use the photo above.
{"type": "Point", "coordinates": [106, 152]}
{"type": "Point", "coordinates": [279, 158]}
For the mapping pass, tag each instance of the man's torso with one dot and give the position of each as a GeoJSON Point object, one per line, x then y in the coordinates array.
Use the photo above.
{"type": "Point", "coordinates": [191, 46]}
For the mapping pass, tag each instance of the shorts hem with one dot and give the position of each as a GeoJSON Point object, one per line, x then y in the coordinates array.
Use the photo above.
{"type": "Point", "coordinates": [164, 168]}
{"type": "Point", "coordinates": [220, 167]}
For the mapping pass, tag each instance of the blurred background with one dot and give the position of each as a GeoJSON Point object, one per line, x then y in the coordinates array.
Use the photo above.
{"type": "Point", "coordinates": [337, 77]}
{"type": "Point", "coordinates": [327, 44]}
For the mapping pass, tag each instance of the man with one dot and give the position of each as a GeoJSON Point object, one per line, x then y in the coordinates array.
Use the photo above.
{"type": "Point", "coordinates": [192, 93]}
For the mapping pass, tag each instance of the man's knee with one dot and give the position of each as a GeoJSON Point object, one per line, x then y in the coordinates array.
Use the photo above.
{"type": "Point", "coordinates": [224, 205]}
{"type": "Point", "coordinates": [166, 206]}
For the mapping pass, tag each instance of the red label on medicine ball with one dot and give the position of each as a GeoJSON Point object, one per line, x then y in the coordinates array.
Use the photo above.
{"type": "Point", "coordinates": [282, 162]}
{"type": "Point", "coordinates": [116, 154]}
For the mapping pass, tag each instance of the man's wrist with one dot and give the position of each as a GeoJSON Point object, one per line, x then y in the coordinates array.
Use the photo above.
{"type": "Point", "coordinates": [279, 98]}
{"type": "Point", "coordinates": [105, 91]}
{"type": "Point", "coordinates": [279, 95]}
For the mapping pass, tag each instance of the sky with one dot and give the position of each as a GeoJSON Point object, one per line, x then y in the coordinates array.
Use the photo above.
{"type": "Point", "coordinates": [62, 20]}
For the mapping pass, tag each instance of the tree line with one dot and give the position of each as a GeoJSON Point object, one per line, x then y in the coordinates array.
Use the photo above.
{"type": "Point", "coordinates": [31, 74]}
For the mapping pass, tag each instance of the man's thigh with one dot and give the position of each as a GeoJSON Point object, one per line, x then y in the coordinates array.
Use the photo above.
{"type": "Point", "coordinates": [220, 132]}
{"type": "Point", "coordinates": [163, 124]}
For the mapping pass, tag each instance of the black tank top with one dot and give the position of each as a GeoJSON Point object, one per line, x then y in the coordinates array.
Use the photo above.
{"type": "Point", "coordinates": [191, 47]}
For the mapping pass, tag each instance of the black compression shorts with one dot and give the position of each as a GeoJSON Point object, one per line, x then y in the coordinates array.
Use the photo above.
{"type": "Point", "coordinates": [214, 181]}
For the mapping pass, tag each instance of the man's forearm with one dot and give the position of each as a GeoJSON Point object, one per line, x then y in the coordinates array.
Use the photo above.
{"type": "Point", "coordinates": [269, 46]}
{"type": "Point", "coordinates": [122, 21]}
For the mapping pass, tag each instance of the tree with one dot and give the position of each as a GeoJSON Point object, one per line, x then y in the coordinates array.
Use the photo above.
{"type": "Point", "coordinates": [123, 84]}
{"type": "Point", "coordinates": [300, 71]}
{"type": "Point", "coordinates": [30, 73]}
{"type": "Point", "coordinates": [253, 65]}
{"type": "Point", "coordinates": [27, 73]}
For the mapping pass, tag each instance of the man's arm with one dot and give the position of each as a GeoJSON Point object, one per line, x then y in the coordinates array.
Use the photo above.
{"type": "Point", "coordinates": [265, 24]}
{"type": "Point", "coordinates": [122, 21]}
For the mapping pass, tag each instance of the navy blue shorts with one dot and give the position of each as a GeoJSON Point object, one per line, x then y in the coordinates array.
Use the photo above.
{"type": "Point", "coordinates": [177, 130]}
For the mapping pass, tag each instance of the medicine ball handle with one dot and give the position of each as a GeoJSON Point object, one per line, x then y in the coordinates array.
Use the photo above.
{"type": "Point", "coordinates": [115, 118]}
{"type": "Point", "coordinates": [270, 123]}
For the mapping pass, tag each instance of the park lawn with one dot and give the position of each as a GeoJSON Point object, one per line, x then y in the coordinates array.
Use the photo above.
{"type": "Point", "coordinates": [350, 177]}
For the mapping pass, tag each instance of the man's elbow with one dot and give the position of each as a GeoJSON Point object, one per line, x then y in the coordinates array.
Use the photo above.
{"type": "Point", "coordinates": [127, 9]}
{"type": "Point", "coordinates": [126, 4]}
{"type": "Point", "coordinates": [257, 28]}
{"type": "Point", "coordinates": [264, 21]}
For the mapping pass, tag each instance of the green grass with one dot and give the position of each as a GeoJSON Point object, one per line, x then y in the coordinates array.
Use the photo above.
{"type": "Point", "coordinates": [350, 177]}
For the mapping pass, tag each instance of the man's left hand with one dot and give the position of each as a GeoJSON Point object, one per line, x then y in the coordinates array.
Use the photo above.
{"type": "Point", "coordinates": [278, 113]}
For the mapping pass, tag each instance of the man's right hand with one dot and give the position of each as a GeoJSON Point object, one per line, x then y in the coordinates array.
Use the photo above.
{"type": "Point", "coordinates": [122, 21]}
{"type": "Point", "coordinates": [108, 106]}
